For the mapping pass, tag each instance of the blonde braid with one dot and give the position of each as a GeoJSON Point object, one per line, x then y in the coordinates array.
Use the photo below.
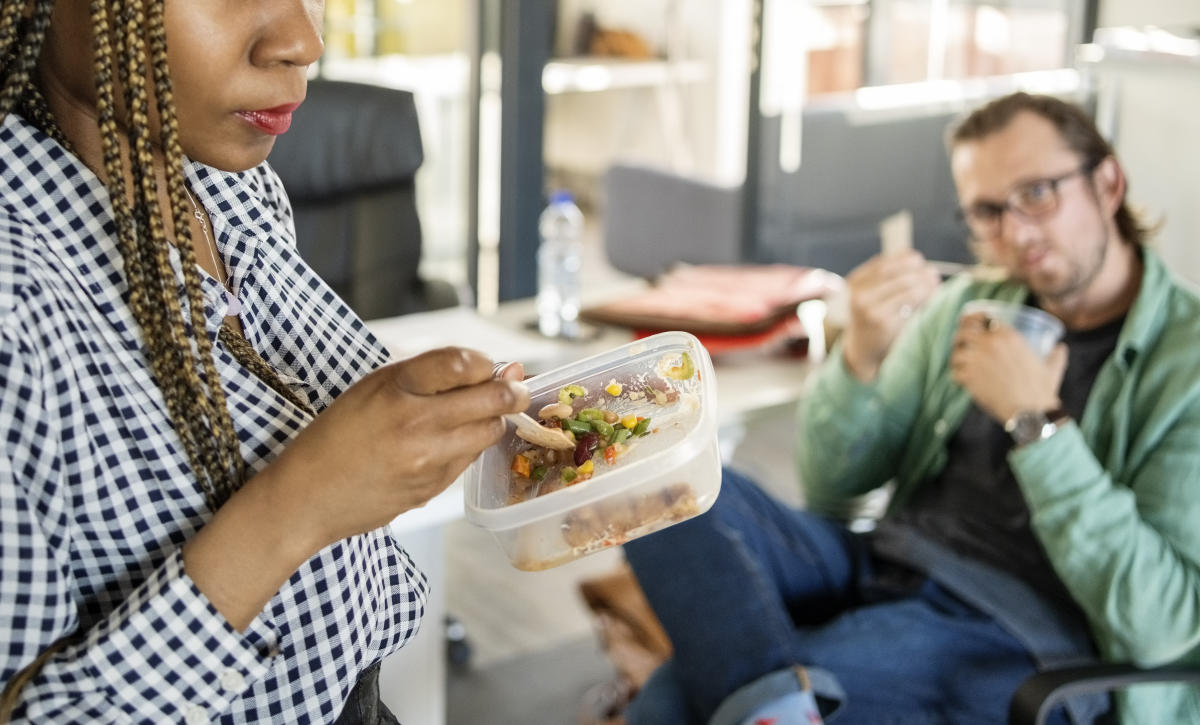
{"type": "Point", "coordinates": [178, 349]}
{"type": "Point", "coordinates": [228, 444]}
{"type": "Point", "coordinates": [20, 59]}
{"type": "Point", "coordinates": [206, 430]}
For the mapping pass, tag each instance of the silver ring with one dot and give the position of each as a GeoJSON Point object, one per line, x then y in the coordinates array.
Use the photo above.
{"type": "Point", "coordinates": [498, 367]}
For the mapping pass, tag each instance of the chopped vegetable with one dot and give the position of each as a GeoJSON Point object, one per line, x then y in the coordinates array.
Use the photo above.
{"type": "Point", "coordinates": [538, 473]}
{"type": "Point", "coordinates": [569, 475]}
{"type": "Point", "coordinates": [614, 388]}
{"type": "Point", "coordinates": [604, 429]}
{"type": "Point", "coordinates": [587, 468]}
{"type": "Point", "coordinates": [684, 370]}
{"type": "Point", "coordinates": [590, 414]}
{"type": "Point", "coordinates": [587, 444]}
{"type": "Point", "coordinates": [642, 428]}
{"type": "Point", "coordinates": [620, 435]}
{"type": "Point", "coordinates": [520, 465]}
{"type": "Point", "coordinates": [610, 455]}
{"type": "Point", "coordinates": [629, 421]}
{"type": "Point", "coordinates": [578, 427]}
{"type": "Point", "coordinates": [570, 393]}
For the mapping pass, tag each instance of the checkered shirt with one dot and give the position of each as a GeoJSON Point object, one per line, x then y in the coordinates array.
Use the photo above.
{"type": "Point", "coordinates": [96, 494]}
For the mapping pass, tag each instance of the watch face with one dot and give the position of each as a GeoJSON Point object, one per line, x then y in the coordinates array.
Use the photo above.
{"type": "Point", "coordinates": [1027, 426]}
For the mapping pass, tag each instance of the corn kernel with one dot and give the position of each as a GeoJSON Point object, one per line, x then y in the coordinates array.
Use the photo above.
{"type": "Point", "coordinates": [629, 421]}
{"type": "Point", "coordinates": [614, 389]}
{"type": "Point", "coordinates": [587, 467]}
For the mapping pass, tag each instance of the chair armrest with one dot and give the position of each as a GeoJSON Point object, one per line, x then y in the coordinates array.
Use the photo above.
{"type": "Point", "coordinates": [1039, 694]}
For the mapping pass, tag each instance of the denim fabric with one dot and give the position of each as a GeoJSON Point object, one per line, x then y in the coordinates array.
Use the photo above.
{"type": "Point", "coordinates": [754, 587]}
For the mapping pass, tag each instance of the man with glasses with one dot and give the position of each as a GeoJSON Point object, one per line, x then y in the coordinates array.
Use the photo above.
{"type": "Point", "coordinates": [1043, 511]}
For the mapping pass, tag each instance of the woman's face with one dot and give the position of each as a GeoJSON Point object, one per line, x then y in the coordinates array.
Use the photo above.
{"type": "Point", "coordinates": [238, 68]}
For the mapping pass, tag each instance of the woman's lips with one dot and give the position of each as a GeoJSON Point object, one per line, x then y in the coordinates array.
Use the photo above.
{"type": "Point", "coordinates": [274, 121]}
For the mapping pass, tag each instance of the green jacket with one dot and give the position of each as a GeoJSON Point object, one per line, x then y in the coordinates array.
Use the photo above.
{"type": "Point", "coordinates": [1115, 500]}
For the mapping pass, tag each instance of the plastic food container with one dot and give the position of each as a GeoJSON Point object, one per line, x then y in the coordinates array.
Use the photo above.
{"type": "Point", "coordinates": [670, 474]}
{"type": "Point", "coordinates": [1041, 329]}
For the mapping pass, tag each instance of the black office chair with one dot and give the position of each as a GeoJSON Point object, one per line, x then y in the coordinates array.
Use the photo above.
{"type": "Point", "coordinates": [349, 164]}
{"type": "Point", "coordinates": [1041, 693]}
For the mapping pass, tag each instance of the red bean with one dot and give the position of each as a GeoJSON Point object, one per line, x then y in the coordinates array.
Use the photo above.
{"type": "Point", "coordinates": [585, 446]}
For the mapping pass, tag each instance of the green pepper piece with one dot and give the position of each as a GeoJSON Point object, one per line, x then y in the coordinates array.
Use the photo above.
{"type": "Point", "coordinates": [684, 370]}
{"type": "Point", "coordinates": [604, 429]}
{"type": "Point", "coordinates": [538, 473]}
{"type": "Point", "coordinates": [569, 474]}
{"type": "Point", "coordinates": [642, 428]}
{"type": "Point", "coordinates": [570, 393]}
{"type": "Point", "coordinates": [578, 427]}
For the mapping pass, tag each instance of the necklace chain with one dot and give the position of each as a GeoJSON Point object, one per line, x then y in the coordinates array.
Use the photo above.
{"type": "Point", "coordinates": [234, 304]}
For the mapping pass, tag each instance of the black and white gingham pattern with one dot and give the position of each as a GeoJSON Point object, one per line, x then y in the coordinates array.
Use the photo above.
{"type": "Point", "coordinates": [96, 496]}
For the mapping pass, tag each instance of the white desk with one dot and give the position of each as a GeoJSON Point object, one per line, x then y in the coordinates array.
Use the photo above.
{"type": "Point", "coordinates": [413, 680]}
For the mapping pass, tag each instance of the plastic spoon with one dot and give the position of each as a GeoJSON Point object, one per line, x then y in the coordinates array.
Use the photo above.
{"type": "Point", "coordinates": [530, 430]}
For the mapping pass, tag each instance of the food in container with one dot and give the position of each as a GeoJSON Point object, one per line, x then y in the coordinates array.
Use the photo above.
{"type": "Point", "coordinates": [644, 420]}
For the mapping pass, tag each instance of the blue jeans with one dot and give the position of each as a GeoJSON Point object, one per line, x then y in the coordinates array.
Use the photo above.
{"type": "Point", "coordinates": [754, 587]}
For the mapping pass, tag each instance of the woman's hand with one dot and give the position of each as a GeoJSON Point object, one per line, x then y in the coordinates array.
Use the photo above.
{"type": "Point", "coordinates": [394, 440]}
{"type": "Point", "coordinates": [884, 292]}
{"type": "Point", "coordinates": [390, 443]}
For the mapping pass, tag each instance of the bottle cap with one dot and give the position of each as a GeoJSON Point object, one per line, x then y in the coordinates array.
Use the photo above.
{"type": "Point", "coordinates": [560, 196]}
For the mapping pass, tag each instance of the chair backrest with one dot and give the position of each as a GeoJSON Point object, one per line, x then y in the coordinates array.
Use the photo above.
{"type": "Point", "coordinates": [349, 164]}
{"type": "Point", "coordinates": [826, 214]}
{"type": "Point", "coordinates": [853, 174]}
{"type": "Point", "coordinates": [655, 218]}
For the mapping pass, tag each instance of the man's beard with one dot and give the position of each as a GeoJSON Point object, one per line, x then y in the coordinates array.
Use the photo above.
{"type": "Point", "coordinates": [1082, 274]}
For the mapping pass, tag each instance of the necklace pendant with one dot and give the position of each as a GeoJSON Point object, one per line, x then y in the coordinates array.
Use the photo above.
{"type": "Point", "coordinates": [234, 307]}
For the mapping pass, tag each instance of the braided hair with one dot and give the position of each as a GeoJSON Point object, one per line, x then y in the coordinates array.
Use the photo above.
{"type": "Point", "coordinates": [130, 48]}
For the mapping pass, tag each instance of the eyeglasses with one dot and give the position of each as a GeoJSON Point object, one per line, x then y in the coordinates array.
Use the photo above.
{"type": "Point", "coordinates": [1031, 201]}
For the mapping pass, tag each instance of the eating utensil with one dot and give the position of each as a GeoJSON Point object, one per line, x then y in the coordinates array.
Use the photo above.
{"type": "Point", "coordinates": [530, 430]}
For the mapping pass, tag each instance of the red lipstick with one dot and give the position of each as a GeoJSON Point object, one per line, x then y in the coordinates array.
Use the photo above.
{"type": "Point", "coordinates": [274, 121]}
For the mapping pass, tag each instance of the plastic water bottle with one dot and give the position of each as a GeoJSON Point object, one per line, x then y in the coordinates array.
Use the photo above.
{"type": "Point", "coordinates": [560, 258]}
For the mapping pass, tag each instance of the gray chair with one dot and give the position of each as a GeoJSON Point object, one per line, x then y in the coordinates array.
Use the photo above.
{"type": "Point", "coordinates": [654, 218]}
{"type": "Point", "coordinates": [349, 164]}
{"type": "Point", "coordinates": [854, 172]}
{"type": "Point", "coordinates": [826, 214]}
{"type": "Point", "coordinates": [1037, 697]}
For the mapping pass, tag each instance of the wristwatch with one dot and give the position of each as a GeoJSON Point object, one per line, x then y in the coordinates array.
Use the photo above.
{"type": "Point", "coordinates": [1030, 426]}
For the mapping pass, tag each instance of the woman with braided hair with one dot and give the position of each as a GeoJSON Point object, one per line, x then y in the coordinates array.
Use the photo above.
{"type": "Point", "coordinates": [200, 444]}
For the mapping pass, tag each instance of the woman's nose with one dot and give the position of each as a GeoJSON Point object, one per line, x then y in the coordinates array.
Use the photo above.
{"type": "Point", "coordinates": [291, 33]}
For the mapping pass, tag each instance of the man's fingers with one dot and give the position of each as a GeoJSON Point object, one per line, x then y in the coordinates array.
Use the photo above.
{"type": "Point", "coordinates": [440, 370]}
{"type": "Point", "coordinates": [890, 296]}
{"type": "Point", "coordinates": [1057, 361]}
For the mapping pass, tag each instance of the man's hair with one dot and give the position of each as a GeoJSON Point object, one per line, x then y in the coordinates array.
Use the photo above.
{"type": "Point", "coordinates": [1074, 127]}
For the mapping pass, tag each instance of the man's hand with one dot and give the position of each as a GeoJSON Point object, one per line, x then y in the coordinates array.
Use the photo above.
{"type": "Point", "coordinates": [884, 291]}
{"type": "Point", "coordinates": [1001, 372]}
